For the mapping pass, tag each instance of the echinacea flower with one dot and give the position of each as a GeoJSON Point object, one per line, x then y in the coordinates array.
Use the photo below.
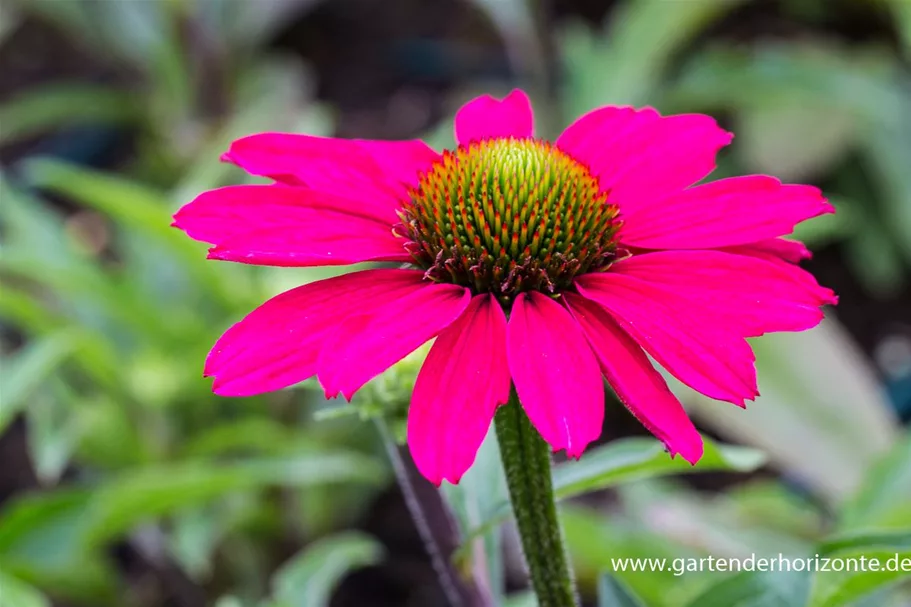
{"type": "Point", "coordinates": [542, 265]}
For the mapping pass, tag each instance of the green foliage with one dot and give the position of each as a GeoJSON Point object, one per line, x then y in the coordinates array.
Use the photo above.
{"type": "Point", "coordinates": [613, 593]}
{"type": "Point", "coordinates": [308, 578]}
{"type": "Point", "coordinates": [628, 460]}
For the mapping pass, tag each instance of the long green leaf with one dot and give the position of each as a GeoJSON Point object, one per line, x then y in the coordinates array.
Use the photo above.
{"type": "Point", "coordinates": [822, 415]}
{"type": "Point", "coordinates": [834, 588]}
{"type": "Point", "coordinates": [150, 492]}
{"type": "Point", "coordinates": [309, 578]}
{"type": "Point", "coordinates": [479, 496]}
{"type": "Point", "coordinates": [52, 106]}
{"type": "Point", "coordinates": [881, 503]}
{"type": "Point", "coordinates": [764, 589]}
{"type": "Point", "coordinates": [24, 371]}
{"type": "Point", "coordinates": [632, 459]}
{"type": "Point", "coordinates": [626, 65]}
{"type": "Point", "coordinates": [624, 461]}
{"type": "Point", "coordinates": [614, 593]}
{"type": "Point", "coordinates": [16, 593]}
{"type": "Point", "coordinates": [135, 207]}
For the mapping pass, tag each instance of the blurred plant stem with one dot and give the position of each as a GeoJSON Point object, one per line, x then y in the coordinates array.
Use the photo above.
{"type": "Point", "coordinates": [445, 573]}
{"type": "Point", "coordinates": [526, 461]}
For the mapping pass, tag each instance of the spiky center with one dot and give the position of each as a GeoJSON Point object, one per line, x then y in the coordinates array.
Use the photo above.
{"type": "Point", "coordinates": [509, 215]}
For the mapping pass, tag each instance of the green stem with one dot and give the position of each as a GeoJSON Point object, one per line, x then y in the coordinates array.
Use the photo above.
{"type": "Point", "coordinates": [526, 460]}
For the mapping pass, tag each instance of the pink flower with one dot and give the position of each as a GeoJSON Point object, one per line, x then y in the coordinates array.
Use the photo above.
{"type": "Point", "coordinates": [543, 265]}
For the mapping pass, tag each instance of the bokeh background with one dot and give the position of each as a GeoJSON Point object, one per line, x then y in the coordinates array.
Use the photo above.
{"type": "Point", "coordinates": [125, 482]}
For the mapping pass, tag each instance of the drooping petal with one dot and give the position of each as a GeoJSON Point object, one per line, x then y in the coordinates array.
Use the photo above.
{"type": "Point", "coordinates": [401, 161]}
{"type": "Point", "coordinates": [723, 213]}
{"type": "Point", "coordinates": [486, 117]}
{"type": "Point", "coordinates": [463, 380]}
{"type": "Point", "coordinates": [754, 295]}
{"type": "Point", "coordinates": [338, 166]}
{"type": "Point", "coordinates": [710, 358]}
{"type": "Point", "coordinates": [385, 333]}
{"type": "Point", "coordinates": [289, 226]}
{"type": "Point", "coordinates": [639, 156]}
{"type": "Point", "coordinates": [637, 384]}
{"type": "Point", "coordinates": [278, 344]}
{"type": "Point", "coordinates": [555, 373]}
{"type": "Point", "coordinates": [792, 251]}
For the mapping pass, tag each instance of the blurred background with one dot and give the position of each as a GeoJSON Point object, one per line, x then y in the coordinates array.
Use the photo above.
{"type": "Point", "coordinates": [125, 482]}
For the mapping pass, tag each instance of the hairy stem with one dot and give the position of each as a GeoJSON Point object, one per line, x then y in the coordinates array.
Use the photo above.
{"type": "Point", "coordinates": [526, 460]}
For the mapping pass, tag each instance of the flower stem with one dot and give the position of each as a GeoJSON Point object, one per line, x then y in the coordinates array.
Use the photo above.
{"type": "Point", "coordinates": [526, 460]}
{"type": "Point", "coordinates": [440, 564]}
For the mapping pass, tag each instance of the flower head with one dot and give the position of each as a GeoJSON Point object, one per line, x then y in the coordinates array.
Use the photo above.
{"type": "Point", "coordinates": [546, 266]}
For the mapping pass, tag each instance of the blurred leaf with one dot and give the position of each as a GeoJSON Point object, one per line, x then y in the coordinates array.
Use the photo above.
{"type": "Point", "coordinates": [52, 106]}
{"type": "Point", "coordinates": [149, 492]}
{"type": "Point", "coordinates": [875, 260]}
{"type": "Point", "coordinates": [622, 461]}
{"type": "Point", "coordinates": [882, 501]}
{"type": "Point", "coordinates": [194, 536]}
{"type": "Point", "coordinates": [10, 18]}
{"type": "Point", "coordinates": [260, 435]}
{"type": "Point", "coordinates": [16, 593]}
{"type": "Point", "coordinates": [627, 63]}
{"type": "Point", "coordinates": [52, 435]}
{"type": "Point", "coordinates": [515, 22]}
{"type": "Point", "coordinates": [763, 589]}
{"type": "Point", "coordinates": [39, 542]}
{"type": "Point", "coordinates": [822, 415]}
{"type": "Point", "coordinates": [630, 459]}
{"type": "Point", "coordinates": [28, 368]}
{"type": "Point", "coordinates": [273, 97]}
{"type": "Point", "coordinates": [774, 74]}
{"type": "Point", "coordinates": [521, 599]}
{"type": "Point", "coordinates": [613, 593]}
{"type": "Point", "coordinates": [842, 542]}
{"type": "Point", "coordinates": [602, 542]}
{"type": "Point", "coordinates": [479, 497]}
{"type": "Point", "coordinates": [124, 200]}
{"type": "Point", "coordinates": [40, 249]}
{"type": "Point", "coordinates": [902, 12]}
{"type": "Point", "coordinates": [716, 524]}
{"type": "Point", "coordinates": [794, 141]}
{"type": "Point", "coordinates": [888, 145]}
{"type": "Point", "coordinates": [245, 26]}
{"type": "Point", "coordinates": [134, 206]}
{"type": "Point", "coordinates": [836, 588]}
{"type": "Point", "coordinates": [309, 578]}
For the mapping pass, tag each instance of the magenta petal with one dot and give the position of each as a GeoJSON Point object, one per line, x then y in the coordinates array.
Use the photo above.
{"type": "Point", "coordinates": [709, 357]}
{"type": "Point", "coordinates": [289, 226]}
{"type": "Point", "coordinates": [590, 136]}
{"type": "Point", "coordinates": [723, 213]}
{"type": "Point", "coordinates": [384, 333]}
{"type": "Point", "coordinates": [638, 386]}
{"type": "Point", "coordinates": [487, 118]}
{"type": "Point", "coordinates": [792, 251]}
{"type": "Point", "coordinates": [402, 161]}
{"type": "Point", "coordinates": [639, 156]}
{"type": "Point", "coordinates": [338, 166]}
{"type": "Point", "coordinates": [660, 158]}
{"type": "Point", "coordinates": [278, 344]}
{"type": "Point", "coordinates": [555, 373]}
{"type": "Point", "coordinates": [752, 294]}
{"type": "Point", "coordinates": [463, 380]}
